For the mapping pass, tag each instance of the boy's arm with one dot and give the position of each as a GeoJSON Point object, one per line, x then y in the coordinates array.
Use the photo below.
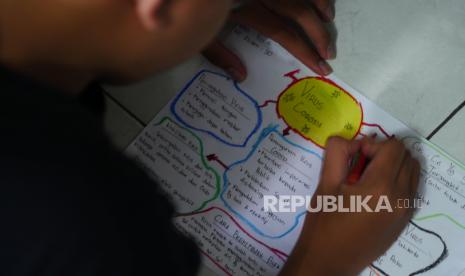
{"type": "Point", "coordinates": [345, 243]}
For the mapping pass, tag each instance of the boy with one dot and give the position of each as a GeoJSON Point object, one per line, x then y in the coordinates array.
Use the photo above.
{"type": "Point", "coordinates": [72, 205]}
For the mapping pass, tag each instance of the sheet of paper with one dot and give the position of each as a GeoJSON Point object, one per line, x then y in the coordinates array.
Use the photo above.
{"type": "Point", "coordinates": [220, 146]}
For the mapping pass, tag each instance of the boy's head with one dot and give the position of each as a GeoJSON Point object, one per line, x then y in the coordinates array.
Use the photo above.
{"type": "Point", "coordinates": [116, 39]}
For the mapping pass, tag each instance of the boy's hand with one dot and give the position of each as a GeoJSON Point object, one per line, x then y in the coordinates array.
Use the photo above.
{"type": "Point", "coordinates": [289, 22]}
{"type": "Point", "coordinates": [345, 243]}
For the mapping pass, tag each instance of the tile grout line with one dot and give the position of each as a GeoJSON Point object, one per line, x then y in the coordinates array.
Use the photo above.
{"type": "Point", "coordinates": [128, 112]}
{"type": "Point", "coordinates": [448, 118]}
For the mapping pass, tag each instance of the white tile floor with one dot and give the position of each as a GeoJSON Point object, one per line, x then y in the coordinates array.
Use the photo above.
{"type": "Point", "coordinates": [451, 138]}
{"type": "Point", "coordinates": [407, 56]}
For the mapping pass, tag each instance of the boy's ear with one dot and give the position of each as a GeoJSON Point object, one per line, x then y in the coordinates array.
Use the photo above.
{"type": "Point", "coordinates": [149, 12]}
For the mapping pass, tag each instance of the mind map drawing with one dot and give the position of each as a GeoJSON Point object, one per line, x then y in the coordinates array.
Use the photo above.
{"type": "Point", "coordinates": [220, 146]}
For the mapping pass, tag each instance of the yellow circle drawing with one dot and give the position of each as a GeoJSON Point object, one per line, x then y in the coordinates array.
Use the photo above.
{"type": "Point", "coordinates": [317, 109]}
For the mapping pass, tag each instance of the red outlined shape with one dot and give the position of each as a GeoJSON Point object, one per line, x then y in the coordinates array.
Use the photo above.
{"type": "Point", "coordinates": [281, 255]}
{"type": "Point", "coordinates": [292, 75]}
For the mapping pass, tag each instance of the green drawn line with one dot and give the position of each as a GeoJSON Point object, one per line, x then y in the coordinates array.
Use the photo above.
{"type": "Point", "coordinates": [433, 216]}
{"type": "Point", "coordinates": [437, 149]}
{"type": "Point", "coordinates": [448, 157]}
{"type": "Point", "coordinates": [204, 162]}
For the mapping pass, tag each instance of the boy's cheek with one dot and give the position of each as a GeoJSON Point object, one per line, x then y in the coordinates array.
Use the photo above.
{"type": "Point", "coordinates": [142, 53]}
{"type": "Point", "coordinates": [203, 20]}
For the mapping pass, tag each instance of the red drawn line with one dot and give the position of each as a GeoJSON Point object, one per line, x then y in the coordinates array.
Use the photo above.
{"type": "Point", "coordinates": [214, 157]}
{"type": "Point", "coordinates": [292, 75]}
{"type": "Point", "coordinates": [379, 127]}
{"type": "Point", "coordinates": [268, 102]}
{"type": "Point", "coordinates": [216, 263]}
{"type": "Point", "coordinates": [374, 270]}
{"type": "Point", "coordinates": [285, 256]}
{"type": "Point", "coordinates": [362, 134]}
{"type": "Point", "coordinates": [286, 132]}
{"type": "Point", "coordinates": [277, 252]}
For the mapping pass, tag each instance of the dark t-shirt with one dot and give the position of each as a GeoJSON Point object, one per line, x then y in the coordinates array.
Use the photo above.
{"type": "Point", "coordinates": [70, 204]}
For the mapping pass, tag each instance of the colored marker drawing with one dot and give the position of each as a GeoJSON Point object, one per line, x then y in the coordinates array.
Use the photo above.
{"type": "Point", "coordinates": [416, 251]}
{"type": "Point", "coordinates": [446, 177]}
{"type": "Point", "coordinates": [217, 121]}
{"type": "Point", "coordinates": [316, 108]}
{"type": "Point", "coordinates": [181, 168]}
{"type": "Point", "coordinates": [222, 232]}
{"type": "Point", "coordinates": [212, 103]}
{"type": "Point", "coordinates": [274, 166]}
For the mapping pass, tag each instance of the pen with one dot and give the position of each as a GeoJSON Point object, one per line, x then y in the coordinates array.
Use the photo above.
{"type": "Point", "coordinates": [357, 166]}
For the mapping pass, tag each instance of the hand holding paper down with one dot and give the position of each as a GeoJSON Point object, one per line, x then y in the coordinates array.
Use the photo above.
{"type": "Point", "coordinates": [220, 147]}
{"type": "Point", "coordinates": [271, 18]}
